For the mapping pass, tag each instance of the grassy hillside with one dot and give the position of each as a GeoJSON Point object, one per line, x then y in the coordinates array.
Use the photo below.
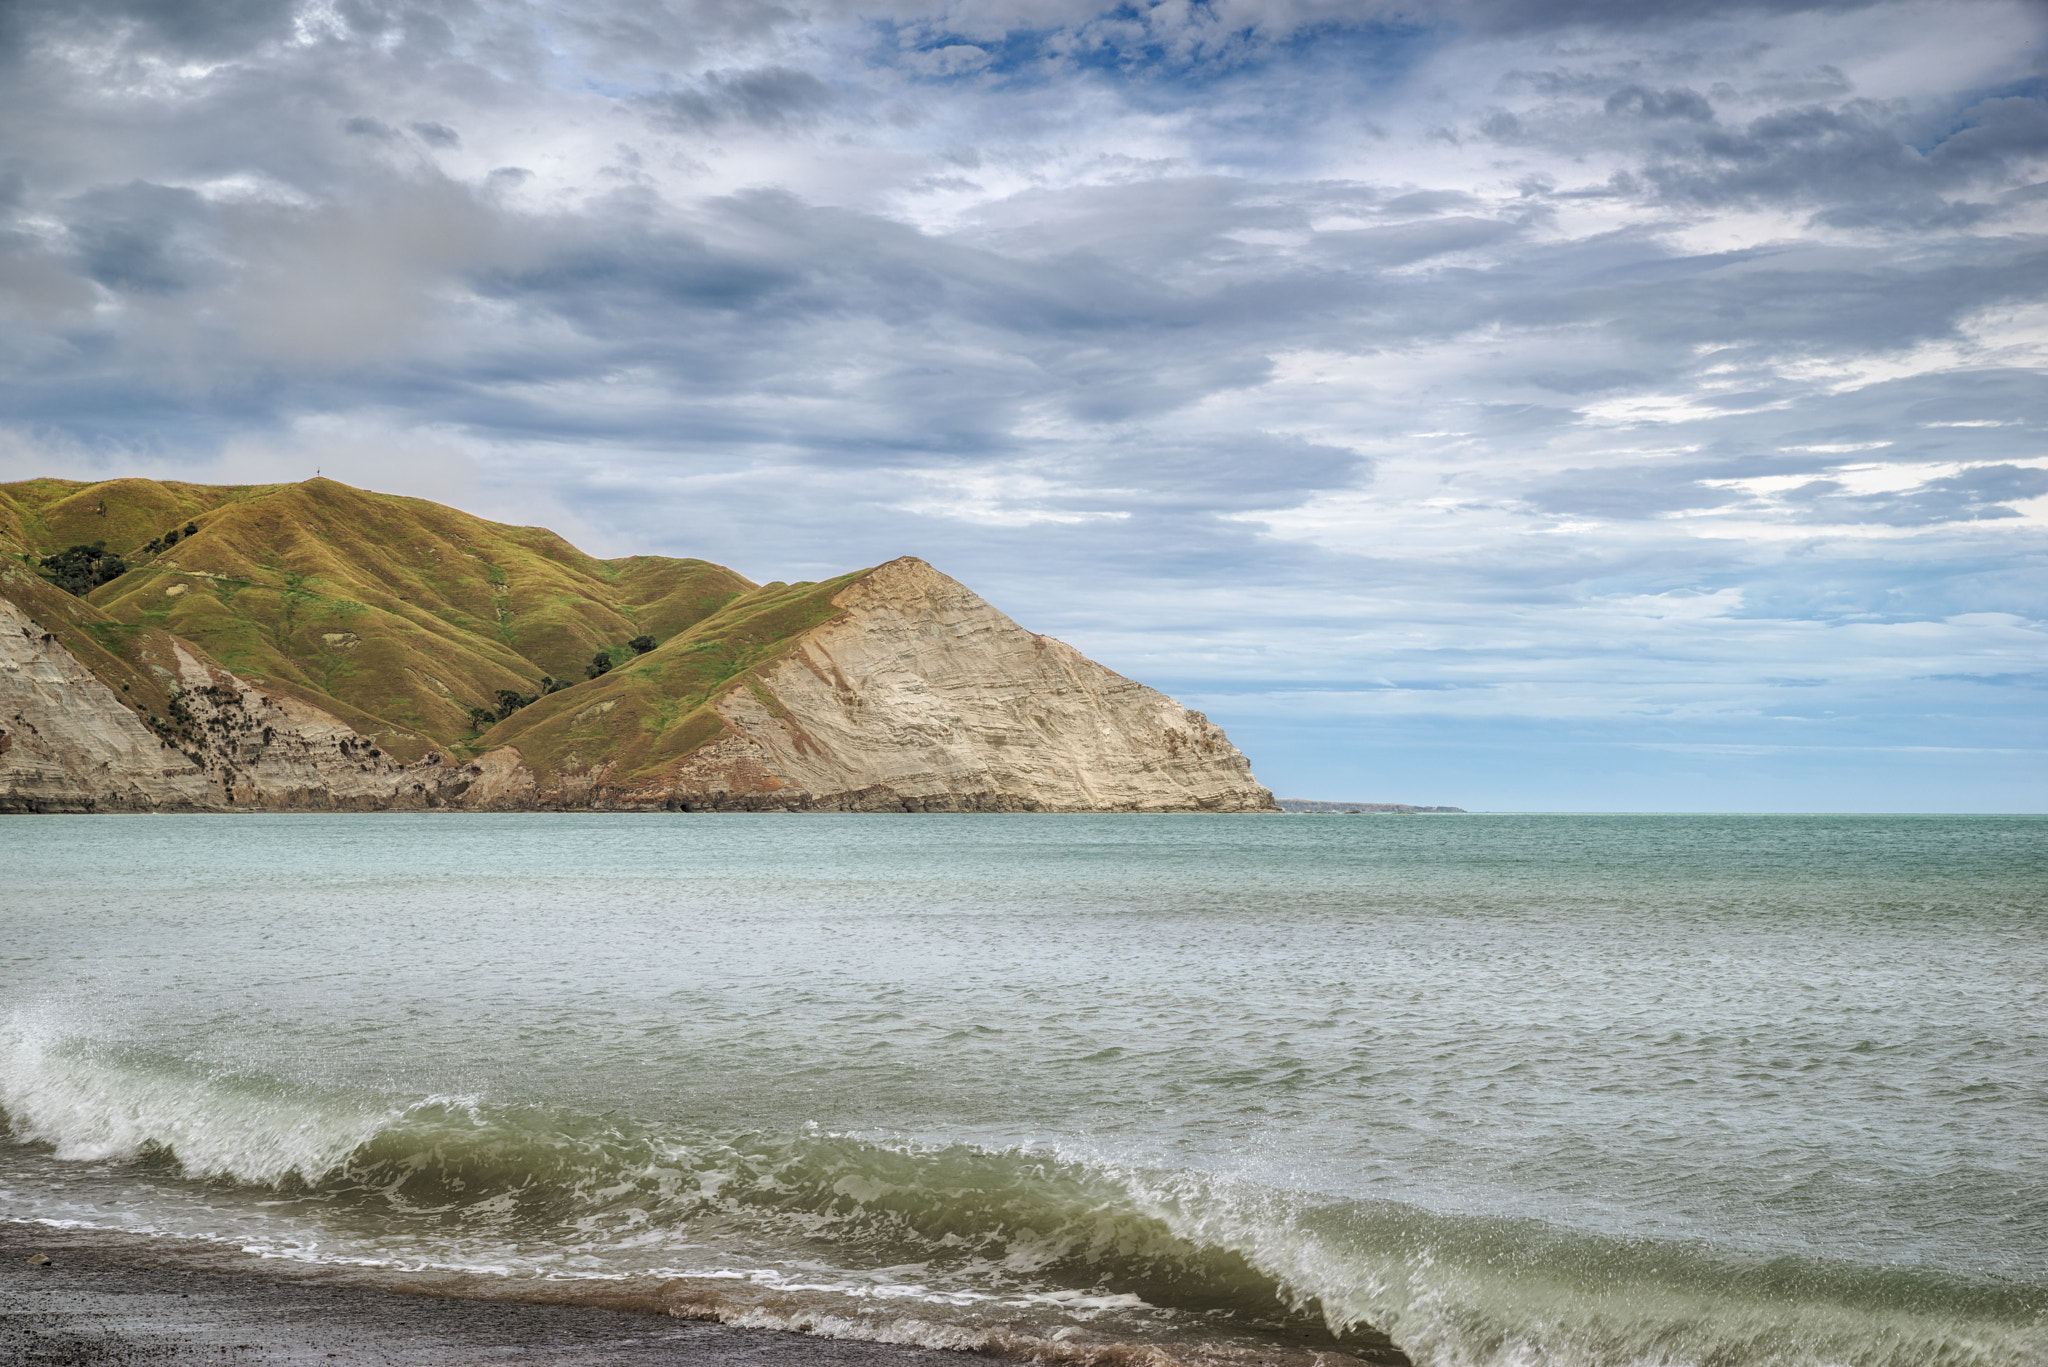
{"type": "Point", "coordinates": [138, 663]}
{"type": "Point", "coordinates": [401, 614]}
{"type": "Point", "coordinates": [654, 710]}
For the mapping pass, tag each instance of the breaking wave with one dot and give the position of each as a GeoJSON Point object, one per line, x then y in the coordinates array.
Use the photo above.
{"type": "Point", "coordinates": [1026, 1252]}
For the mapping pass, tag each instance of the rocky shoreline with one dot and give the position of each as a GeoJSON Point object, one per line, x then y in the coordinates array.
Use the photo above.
{"type": "Point", "coordinates": [107, 1298]}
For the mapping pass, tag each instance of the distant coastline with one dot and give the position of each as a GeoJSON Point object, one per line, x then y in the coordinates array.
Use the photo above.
{"type": "Point", "coordinates": [1303, 806]}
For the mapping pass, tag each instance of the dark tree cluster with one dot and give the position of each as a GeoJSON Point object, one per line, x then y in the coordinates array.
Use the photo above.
{"type": "Point", "coordinates": [601, 663]}
{"type": "Point", "coordinates": [82, 569]}
{"type": "Point", "coordinates": [484, 718]}
{"type": "Point", "coordinates": [169, 539]}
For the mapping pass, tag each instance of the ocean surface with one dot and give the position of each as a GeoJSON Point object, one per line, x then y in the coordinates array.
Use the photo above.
{"type": "Point", "coordinates": [1683, 1091]}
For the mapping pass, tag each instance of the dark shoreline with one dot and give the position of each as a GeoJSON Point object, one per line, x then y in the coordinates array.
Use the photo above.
{"type": "Point", "coordinates": [115, 1298]}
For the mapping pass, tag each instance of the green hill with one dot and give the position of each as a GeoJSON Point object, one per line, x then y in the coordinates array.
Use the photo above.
{"type": "Point", "coordinates": [401, 615]}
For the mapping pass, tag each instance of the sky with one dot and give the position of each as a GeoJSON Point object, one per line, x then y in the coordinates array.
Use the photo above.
{"type": "Point", "coordinates": [1510, 404]}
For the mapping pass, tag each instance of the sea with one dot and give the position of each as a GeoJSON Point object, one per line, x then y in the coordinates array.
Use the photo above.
{"type": "Point", "coordinates": [1450, 1090]}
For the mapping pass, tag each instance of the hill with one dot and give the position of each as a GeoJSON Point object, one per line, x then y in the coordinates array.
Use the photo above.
{"type": "Point", "coordinates": [500, 666]}
{"type": "Point", "coordinates": [401, 609]}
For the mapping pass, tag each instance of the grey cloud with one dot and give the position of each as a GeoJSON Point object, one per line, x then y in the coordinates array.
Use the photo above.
{"type": "Point", "coordinates": [1984, 493]}
{"type": "Point", "coordinates": [1535, 16]}
{"type": "Point", "coordinates": [1853, 162]}
{"type": "Point", "coordinates": [1822, 82]}
{"type": "Point", "coordinates": [1768, 300]}
{"type": "Point", "coordinates": [1430, 202]}
{"type": "Point", "coordinates": [438, 134]}
{"type": "Point", "coordinates": [1638, 102]}
{"type": "Point", "coordinates": [1243, 470]}
{"type": "Point", "coordinates": [773, 97]}
{"type": "Point", "coordinates": [140, 236]}
{"type": "Point", "coordinates": [1629, 492]}
{"type": "Point", "coordinates": [203, 28]}
{"type": "Point", "coordinates": [1407, 243]}
{"type": "Point", "coordinates": [1503, 126]}
{"type": "Point", "coordinates": [1589, 381]}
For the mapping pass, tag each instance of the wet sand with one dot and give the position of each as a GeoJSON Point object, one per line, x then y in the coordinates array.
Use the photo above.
{"type": "Point", "coordinates": [117, 1299]}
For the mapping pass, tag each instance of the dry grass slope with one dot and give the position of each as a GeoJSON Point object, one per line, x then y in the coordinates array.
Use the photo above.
{"type": "Point", "coordinates": [648, 714]}
{"type": "Point", "coordinates": [398, 614]}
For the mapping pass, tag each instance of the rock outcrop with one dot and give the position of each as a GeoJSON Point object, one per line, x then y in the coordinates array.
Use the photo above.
{"type": "Point", "coordinates": [69, 744]}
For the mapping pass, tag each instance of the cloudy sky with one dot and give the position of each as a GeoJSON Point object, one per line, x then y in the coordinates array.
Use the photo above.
{"type": "Point", "coordinates": [1582, 404]}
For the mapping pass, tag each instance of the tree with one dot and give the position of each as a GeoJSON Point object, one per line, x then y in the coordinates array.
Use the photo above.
{"type": "Point", "coordinates": [510, 702]}
{"type": "Point", "coordinates": [642, 644]}
{"type": "Point", "coordinates": [600, 663]}
{"type": "Point", "coordinates": [81, 569]}
{"type": "Point", "coordinates": [482, 719]}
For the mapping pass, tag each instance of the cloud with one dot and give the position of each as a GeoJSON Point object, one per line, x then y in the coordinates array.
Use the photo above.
{"type": "Point", "coordinates": [774, 97]}
{"type": "Point", "coordinates": [1636, 102]}
{"type": "Point", "coordinates": [181, 28]}
{"type": "Point", "coordinates": [139, 237]}
{"type": "Point", "coordinates": [1975, 494]}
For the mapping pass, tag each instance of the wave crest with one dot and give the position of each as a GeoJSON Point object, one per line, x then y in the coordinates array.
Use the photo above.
{"type": "Point", "coordinates": [1013, 1251]}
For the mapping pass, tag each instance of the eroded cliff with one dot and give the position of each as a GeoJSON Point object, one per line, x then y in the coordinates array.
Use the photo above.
{"type": "Point", "coordinates": [914, 694]}
{"type": "Point", "coordinates": [69, 744]}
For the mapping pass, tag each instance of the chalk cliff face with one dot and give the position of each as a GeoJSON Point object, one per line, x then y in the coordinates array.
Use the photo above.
{"type": "Point", "coordinates": [68, 744]}
{"type": "Point", "coordinates": [917, 695]}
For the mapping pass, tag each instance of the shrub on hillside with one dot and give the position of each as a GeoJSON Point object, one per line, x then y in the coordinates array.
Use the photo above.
{"type": "Point", "coordinates": [159, 544]}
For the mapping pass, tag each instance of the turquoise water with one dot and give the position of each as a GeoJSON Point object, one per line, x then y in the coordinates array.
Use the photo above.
{"type": "Point", "coordinates": [1513, 1090]}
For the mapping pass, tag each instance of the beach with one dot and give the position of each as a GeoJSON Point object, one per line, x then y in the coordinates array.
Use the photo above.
{"type": "Point", "coordinates": [109, 1298]}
